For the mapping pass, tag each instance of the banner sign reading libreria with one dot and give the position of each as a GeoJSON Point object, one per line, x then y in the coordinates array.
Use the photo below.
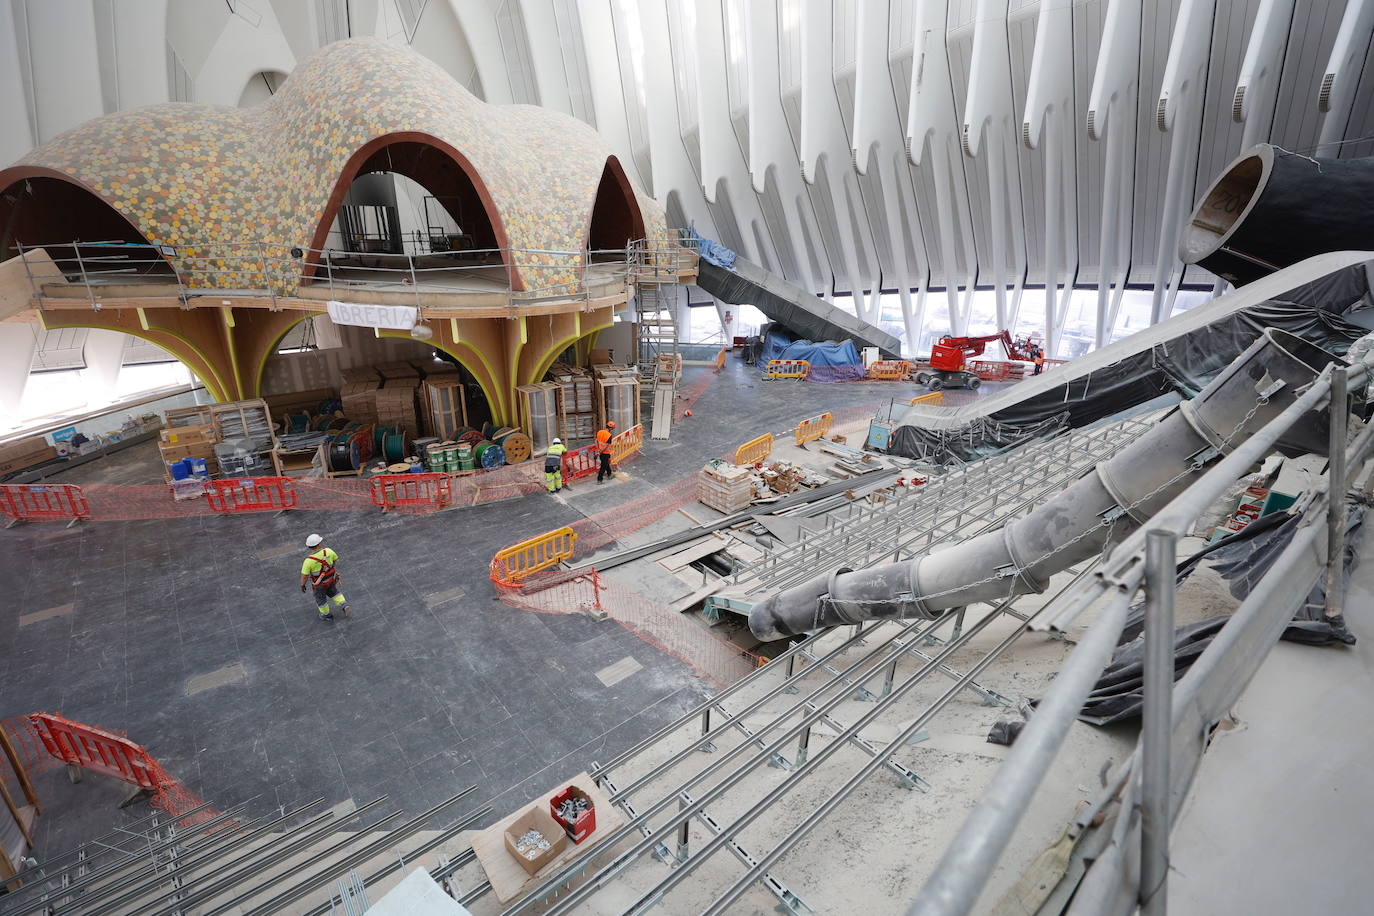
{"type": "Point", "coordinates": [390, 317]}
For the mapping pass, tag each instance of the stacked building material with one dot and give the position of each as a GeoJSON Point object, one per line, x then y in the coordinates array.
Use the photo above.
{"type": "Point", "coordinates": [359, 394]}
{"type": "Point", "coordinates": [725, 487]}
{"type": "Point", "coordinates": [396, 404]}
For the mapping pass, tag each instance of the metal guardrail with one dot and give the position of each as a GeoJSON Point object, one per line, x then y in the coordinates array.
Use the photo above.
{"type": "Point", "coordinates": [1176, 718]}
{"type": "Point", "coordinates": [262, 269]}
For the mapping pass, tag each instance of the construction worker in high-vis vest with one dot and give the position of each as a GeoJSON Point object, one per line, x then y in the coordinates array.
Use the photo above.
{"type": "Point", "coordinates": [553, 465]}
{"type": "Point", "coordinates": [320, 573]}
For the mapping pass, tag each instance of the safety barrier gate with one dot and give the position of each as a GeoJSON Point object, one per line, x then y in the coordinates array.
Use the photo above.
{"type": "Point", "coordinates": [935, 397]}
{"type": "Point", "coordinates": [811, 429]}
{"type": "Point", "coordinates": [97, 750]}
{"type": "Point", "coordinates": [516, 562]}
{"type": "Point", "coordinates": [27, 501]}
{"type": "Point", "coordinates": [755, 450]}
{"type": "Point", "coordinates": [580, 462]}
{"type": "Point", "coordinates": [787, 368]}
{"type": "Point", "coordinates": [889, 370]}
{"type": "Point", "coordinates": [251, 494]}
{"type": "Point", "coordinates": [627, 444]}
{"type": "Point", "coordinates": [412, 491]}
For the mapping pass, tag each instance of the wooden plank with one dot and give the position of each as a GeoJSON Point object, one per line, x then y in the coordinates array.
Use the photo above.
{"type": "Point", "coordinates": [707, 545]}
{"type": "Point", "coordinates": [20, 773]}
{"type": "Point", "coordinates": [663, 413]}
{"type": "Point", "coordinates": [508, 878]}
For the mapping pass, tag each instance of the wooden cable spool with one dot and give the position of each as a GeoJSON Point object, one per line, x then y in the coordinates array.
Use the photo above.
{"type": "Point", "coordinates": [515, 444]}
{"type": "Point", "coordinates": [489, 455]}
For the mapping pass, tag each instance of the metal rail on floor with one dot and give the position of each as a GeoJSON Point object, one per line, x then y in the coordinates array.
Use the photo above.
{"type": "Point", "coordinates": [912, 520]}
{"type": "Point", "coordinates": [660, 803]}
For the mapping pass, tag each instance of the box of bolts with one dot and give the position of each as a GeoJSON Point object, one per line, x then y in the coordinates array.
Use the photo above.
{"type": "Point", "coordinates": [573, 809]}
{"type": "Point", "coordinates": [534, 838]}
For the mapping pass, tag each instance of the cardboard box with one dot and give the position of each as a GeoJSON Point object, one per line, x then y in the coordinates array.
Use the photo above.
{"type": "Point", "coordinates": [189, 435]}
{"type": "Point", "coordinates": [25, 453]}
{"type": "Point", "coordinates": [536, 818]}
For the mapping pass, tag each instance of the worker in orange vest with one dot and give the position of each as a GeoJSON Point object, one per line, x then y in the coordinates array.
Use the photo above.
{"type": "Point", "coordinates": [603, 444]}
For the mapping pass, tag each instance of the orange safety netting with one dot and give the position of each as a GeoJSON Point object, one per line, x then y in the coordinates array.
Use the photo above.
{"type": "Point", "coordinates": [585, 591]}
{"type": "Point", "coordinates": [169, 793]}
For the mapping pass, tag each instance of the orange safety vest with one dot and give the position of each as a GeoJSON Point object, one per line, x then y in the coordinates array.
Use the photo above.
{"type": "Point", "coordinates": [603, 441]}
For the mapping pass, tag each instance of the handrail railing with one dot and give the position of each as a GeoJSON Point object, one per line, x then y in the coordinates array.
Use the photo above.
{"type": "Point", "coordinates": [271, 269]}
{"type": "Point", "coordinates": [970, 859]}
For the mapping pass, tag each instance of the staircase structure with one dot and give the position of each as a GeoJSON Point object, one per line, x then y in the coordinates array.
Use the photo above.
{"type": "Point", "coordinates": [660, 364]}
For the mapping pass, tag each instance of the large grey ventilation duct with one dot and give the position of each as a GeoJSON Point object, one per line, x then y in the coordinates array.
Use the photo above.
{"type": "Point", "coordinates": [1100, 508]}
{"type": "Point", "coordinates": [1272, 208]}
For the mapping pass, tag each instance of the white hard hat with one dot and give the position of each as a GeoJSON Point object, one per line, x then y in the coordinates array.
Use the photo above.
{"type": "Point", "coordinates": [557, 441]}
{"type": "Point", "coordinates": [314, 541]}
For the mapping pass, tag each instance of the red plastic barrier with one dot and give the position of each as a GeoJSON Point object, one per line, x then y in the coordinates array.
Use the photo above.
{"type": "Point", "coordinates": [990, 370]}
{"type": "Point", "coordinates": [97, 750]}
{"type": "Point", "coordinates": [580, 462]}
{"type": "Point", "coordinates": [412, 491]}
{"type": "Point", "coordinates": [43, 501]}
{"type": "Point", "coordinates": [251, 494]}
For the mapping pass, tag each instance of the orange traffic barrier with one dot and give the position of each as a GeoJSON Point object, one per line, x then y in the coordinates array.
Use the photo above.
{"type": "Point", "coordinates": [719, 364]}
{"type": "Point", "coordinates": [25, 501]}
{"type": "Point", "coordinates": [755, 450]}
{"type": "Point", "coordinates": [627, 444]}
{"type": "Point", "coordinates": [935, 397]}
{"type": "Point", "coordinates": [787, 368]}
{"type": "Point", "coordinates": [889, 370]}
{"type": "Point", "coordinates": [516, 562]}
{"type": "Point", "coordinates": [813, 428]}
{"type": "Point", "coordinates": [580, 462]}
{"type": "Point", "coordinates": [251, 494]}
{"type": "Point", "coordinates": [411, 491]}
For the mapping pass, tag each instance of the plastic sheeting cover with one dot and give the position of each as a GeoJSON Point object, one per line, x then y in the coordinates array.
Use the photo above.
{"type": "Point", "coordinates": [714, 252]}
{"type": "Point", "coordinates": [778, 344]}
{"type": "Point", "coordinates": [1184, 364]}
{"type": "Point", "coordinates": [1243, 560]}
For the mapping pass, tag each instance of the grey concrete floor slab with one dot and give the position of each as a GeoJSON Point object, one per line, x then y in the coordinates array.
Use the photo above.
{"type": "Point", "coordinates": [1278, 820]}
{"type": "Point", "coordinates": [431, 685]}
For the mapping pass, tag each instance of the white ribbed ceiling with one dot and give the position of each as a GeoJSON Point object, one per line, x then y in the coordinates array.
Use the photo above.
{"type": "Point", "coordinates": [913, 145]}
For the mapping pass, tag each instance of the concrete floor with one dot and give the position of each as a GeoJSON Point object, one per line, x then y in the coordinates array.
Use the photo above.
{"type": "Point", "coordinates": [431, 685]}
{"type": "Point", "coordinates": [1278, 820]}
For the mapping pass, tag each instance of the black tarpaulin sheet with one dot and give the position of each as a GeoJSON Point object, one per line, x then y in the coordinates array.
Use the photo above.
{"type": "Point", "coordinates": [1243, 560]}
{"type": "Point", "coordinates": [1184, 364]}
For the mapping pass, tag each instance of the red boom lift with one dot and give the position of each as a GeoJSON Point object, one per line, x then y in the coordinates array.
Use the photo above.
{"type": "Point", "coordinates": [949, 359]}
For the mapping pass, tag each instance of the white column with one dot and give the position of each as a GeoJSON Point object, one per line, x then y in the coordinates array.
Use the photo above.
{"type": "Point", "coordinates": [104, 352]}
{"type": "Point", "coordinates": [17, 343]}
{"type": "Point", "coordinates": [1343, 73]}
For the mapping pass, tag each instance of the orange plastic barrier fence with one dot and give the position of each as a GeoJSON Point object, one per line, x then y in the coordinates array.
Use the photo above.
{"type": "Point", "coordinates": [935, 397]}
{"type": "Point", "coordinates": [990, 371]}
{"type": "Point", "coordinates": [412, 491]}
{"type": "Point", "coordinates": [719, 364]}
{"type": "Point", "coordinates": [889, 370]}
{"type": "Point", "coordinates": [96, 749]}
{"type": "Point", "coordinates": [627, 444]}
{"type": "Point", "coordinates": [580, 462]}
{"type": "Point", "coordinates": [755, 450]}
{"type": "Point", "coordinates": [518, 561]}
{"type": "Point", "coordinates": [25, 501]}
{"type": "Point", "coordinates": [79, 745]}
{"type": "Point", "coordinates": [813, 428]}
{"type": "Point", "coordinates": [251, 494]}
{"type": "Point", "coordinates": [786, 368]}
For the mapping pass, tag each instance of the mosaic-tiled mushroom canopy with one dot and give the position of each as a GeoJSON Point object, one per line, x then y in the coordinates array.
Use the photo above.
{"type": "Point", "coordinates": [209, 178]}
